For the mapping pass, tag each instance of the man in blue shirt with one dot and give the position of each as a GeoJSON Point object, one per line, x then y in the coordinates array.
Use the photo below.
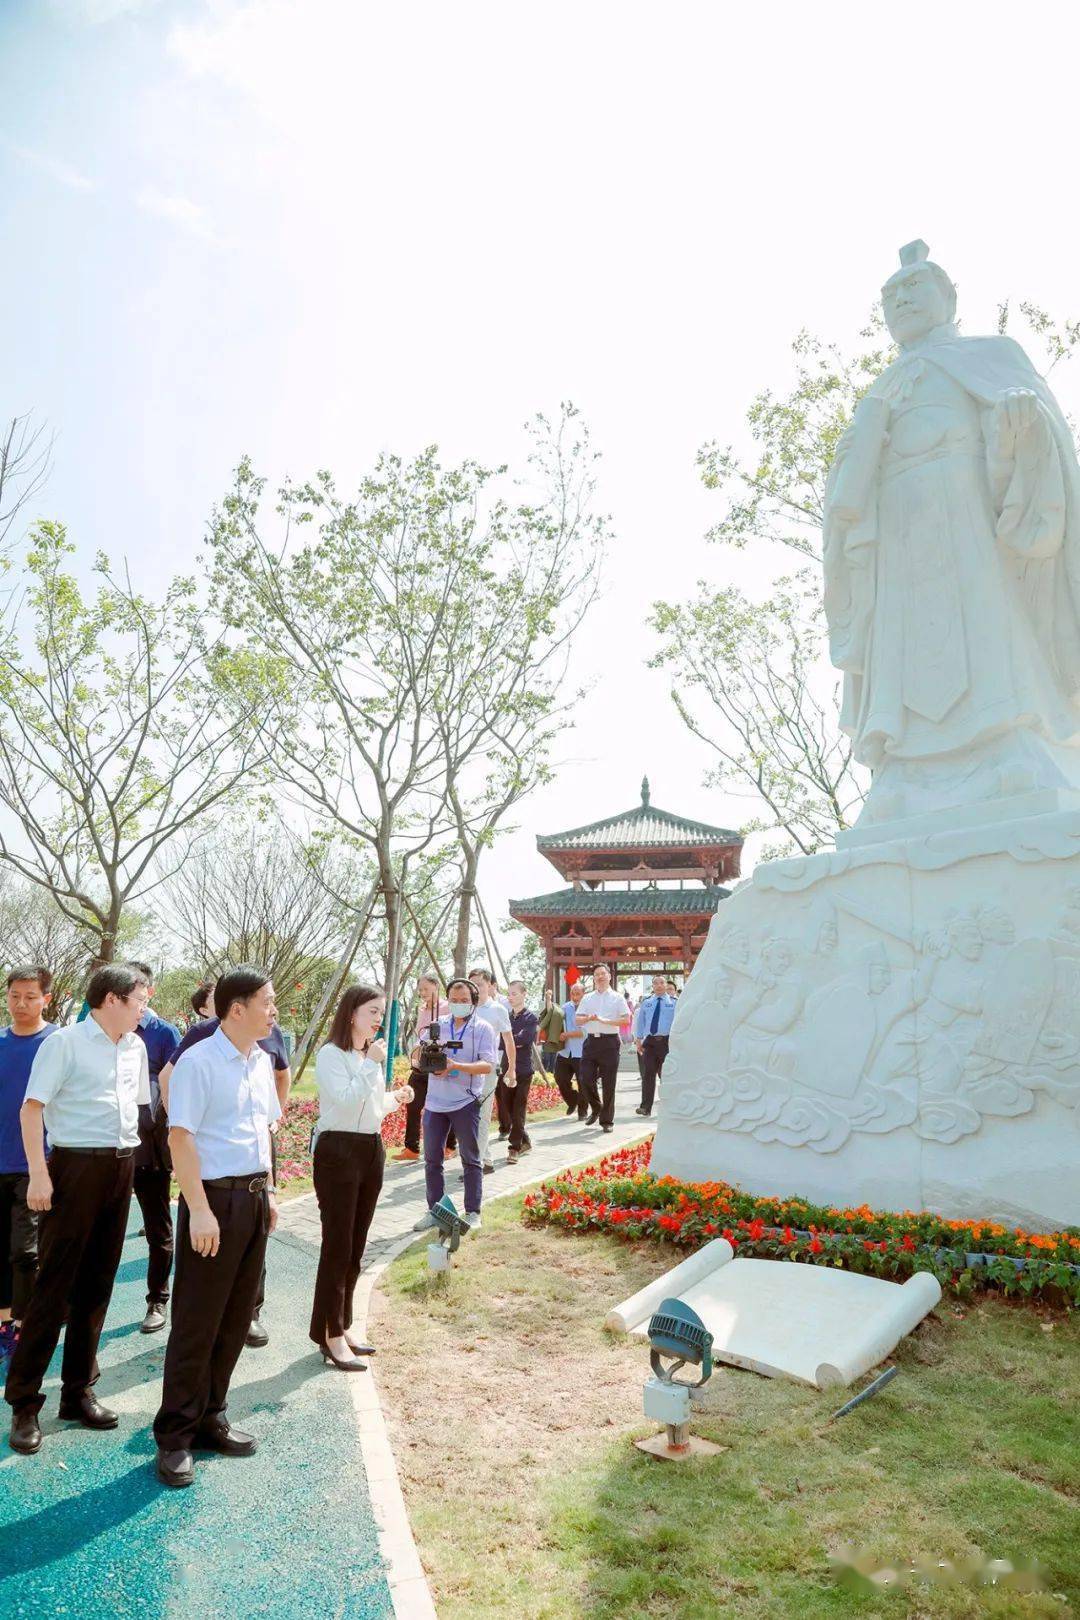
{"type": "Point", "coordinates": [652, 1026]}
{"type": "Point", "coordinates": [153, 1165]}
{"type": "Point", "coordinates": [274, 1045]}
{"type": "Point", "coordinates": [568, 1062]}
{"type": "Point", "coordinates": [28, 995]}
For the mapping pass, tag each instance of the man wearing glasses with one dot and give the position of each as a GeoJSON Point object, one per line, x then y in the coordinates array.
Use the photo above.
{"type": "Point", "coordinates": [85, 1088]}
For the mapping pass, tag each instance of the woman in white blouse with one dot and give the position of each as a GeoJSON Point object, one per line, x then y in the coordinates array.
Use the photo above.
{"type": "Point", "coordinates": [348, 1163]}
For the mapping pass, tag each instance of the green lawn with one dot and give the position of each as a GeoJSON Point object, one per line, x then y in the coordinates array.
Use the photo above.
{"type": "Point", "coordinates": [529, 1500]}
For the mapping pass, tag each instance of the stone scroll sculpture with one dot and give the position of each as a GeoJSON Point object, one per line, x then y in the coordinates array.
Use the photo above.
{"type": "Point", "coordinates": [897, 1021]}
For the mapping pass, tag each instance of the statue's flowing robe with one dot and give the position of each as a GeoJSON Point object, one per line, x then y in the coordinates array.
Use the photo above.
{"type": "Point", "coordinates": [952, 591]}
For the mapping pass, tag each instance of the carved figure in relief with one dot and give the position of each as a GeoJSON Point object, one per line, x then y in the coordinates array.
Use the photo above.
{"type": "Point", "coordinates": [971, 1023]}
{"type": "Point", "coordinates": [952, 565]}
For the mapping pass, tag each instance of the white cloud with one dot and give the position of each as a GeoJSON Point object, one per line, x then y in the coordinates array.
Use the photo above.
{"type": "Point", "coordinates": [179, 211]}
{"type": "Point", "coordinates": [63, 173]}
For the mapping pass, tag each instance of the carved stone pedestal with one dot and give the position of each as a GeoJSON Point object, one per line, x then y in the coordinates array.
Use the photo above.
{"type": "Point", "coordinates": [896, 1024]}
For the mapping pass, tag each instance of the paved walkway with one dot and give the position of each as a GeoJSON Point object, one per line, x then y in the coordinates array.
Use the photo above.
{"type": "Point", "coordinates": [86, 1529]}
{"type": "Point", "coordinates": [558, 1144]}
{"type": "Point", "coordinates": [299, 1529]}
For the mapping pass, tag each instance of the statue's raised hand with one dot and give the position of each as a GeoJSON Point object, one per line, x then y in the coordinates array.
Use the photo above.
{"type": "Point", "coordinates": [1017, 412]}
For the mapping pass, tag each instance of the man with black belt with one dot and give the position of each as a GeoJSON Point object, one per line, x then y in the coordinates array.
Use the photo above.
{"type": "Point", "coordinates": [85, 1088]}
{"type": "Point", "coordinates": [153, 1166]}
{"type": "Point", "coordinates": [222, 1102]}
{"type": "Point", "coordinates": [652, 1027]}
{"type": "Point", "coordinates": [600, 1016]}
{"type": "Point", "coordinates": [274, 1046]}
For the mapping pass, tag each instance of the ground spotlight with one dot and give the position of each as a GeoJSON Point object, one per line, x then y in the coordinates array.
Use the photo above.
{"type": "Point", "coordinates": [451, 1227]}
{"type": "Point", "coordinates": [677, 1338]}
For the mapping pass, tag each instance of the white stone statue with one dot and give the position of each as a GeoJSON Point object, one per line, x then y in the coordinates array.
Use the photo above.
{"type": "Point", "coordinates": [897, 1021]}
{"type": "Point", "coordinates": [952, 566]}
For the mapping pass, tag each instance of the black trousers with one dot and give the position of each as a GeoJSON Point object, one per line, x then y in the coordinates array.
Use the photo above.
{"type": "Point", "coordinates": [599, 1074]}
{"type": "Point", "coordinates": [566, 1074]}
{"type": "Point", "coordinates": [260, 1297]}
{"type": "Point", "coordinates": [512, 1103]}
{"type": "Point", "coordinates": [153, 1179]}
{"type": "Point", "coordinates": [80, 1241]}
{"type": "Point", "coordinates": [348, 1173]}
{"type": "Point", "coordinates": [18, 1244]}
{"type": "Point", "coordinates": [213, 1303]}
{"type": "Point", "coordinates": [654, 1049]}
{"type": "Point", "coordinates": [414, 1113]}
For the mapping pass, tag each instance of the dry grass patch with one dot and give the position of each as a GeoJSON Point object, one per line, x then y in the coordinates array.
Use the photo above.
{"type": "Point", "coordinates": [511, 1414]}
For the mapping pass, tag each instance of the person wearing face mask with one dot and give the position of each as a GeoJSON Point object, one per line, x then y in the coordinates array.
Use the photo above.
{"type": "Point", "coordinates": [348, 1164]}
{"type": "Point", "coordinates": [455, 1096]}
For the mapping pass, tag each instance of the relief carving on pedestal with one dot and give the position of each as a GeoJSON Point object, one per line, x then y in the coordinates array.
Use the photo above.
{"type": "Point", "coordinates": [808, 1041]}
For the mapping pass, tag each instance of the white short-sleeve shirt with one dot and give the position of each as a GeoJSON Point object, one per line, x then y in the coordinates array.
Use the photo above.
{"type": "Point", "coordinates": [610, 1009]}
{"type": "Point", "coordinates": [91, 1086]}
{"type": "Point", "coordinates": [228, 1102]}
{"type": "Point", "coordinates": [495, 1014]}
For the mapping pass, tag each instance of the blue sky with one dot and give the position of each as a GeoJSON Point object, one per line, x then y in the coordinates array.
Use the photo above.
{"type": "Point", "coordinates": [311, 229]}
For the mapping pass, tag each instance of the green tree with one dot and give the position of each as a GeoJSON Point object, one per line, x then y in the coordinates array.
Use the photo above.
{"type": "Point", "coordinates": [110, 744]}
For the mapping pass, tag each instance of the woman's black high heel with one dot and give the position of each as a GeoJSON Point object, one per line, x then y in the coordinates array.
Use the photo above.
{"type": "Point", "coordinates": [342, 1366]}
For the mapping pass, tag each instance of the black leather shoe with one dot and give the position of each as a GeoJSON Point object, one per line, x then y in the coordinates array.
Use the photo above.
{"type": "Point", "coordinates": [571, 1108]}
{"type": "Point", "coordinates": [644, 1112]}
{"type": "Point", "coordinates": [175, 1467]}
{"type": "Point", "coordinates": [607, 1128]}
{"type": "Point", "coordinates": [25, 1433]}
{"type": "Point", "coordinates": [230, 1442]}
{"type": "Point", "coordinates": [581, 1116]}
{"type": "Point", "coordinates": [154, 1320]}
{"type": "Point", "coordinates": [257, 1335]}
{"type": "Point", "coordinates": [593, 1118]}
{"type": "Point", "coordinates": [88, 1411]}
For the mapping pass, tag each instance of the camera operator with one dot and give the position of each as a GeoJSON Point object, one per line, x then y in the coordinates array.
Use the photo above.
{"type": "Point", "coordinates": [457, 1080]}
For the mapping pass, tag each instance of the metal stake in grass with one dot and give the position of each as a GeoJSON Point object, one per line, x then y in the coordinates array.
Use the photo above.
{"type": "Point", "coordinates": [678, 1333]}
{"type": "Point", "coordinates": [872, 1388]}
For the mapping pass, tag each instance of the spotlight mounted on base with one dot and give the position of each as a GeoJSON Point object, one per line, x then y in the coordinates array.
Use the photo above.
{"type": "Point", "coordinates": [451, 1227]}
{"type": "Point", "coordinates": [678, 1338]}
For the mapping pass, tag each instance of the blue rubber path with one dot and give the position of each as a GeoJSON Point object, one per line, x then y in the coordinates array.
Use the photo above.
{"type": "Point", "coordinates": [87, 1531]}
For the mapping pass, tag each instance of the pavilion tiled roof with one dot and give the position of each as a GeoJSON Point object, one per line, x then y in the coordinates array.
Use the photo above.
{"type": "Point", "coordinates": [697, 902]}
{"type": "Point", "coordinates": [644, 825]}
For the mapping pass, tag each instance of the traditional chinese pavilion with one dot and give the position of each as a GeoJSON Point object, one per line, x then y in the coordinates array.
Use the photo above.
{"type": "Point", "coordinates": [643, 889]}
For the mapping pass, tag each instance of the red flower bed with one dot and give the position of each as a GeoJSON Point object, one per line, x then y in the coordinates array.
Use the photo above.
{"type": "Point", "coordinates": [294, 1133]}
{"type": "Point", "coordinates": [621, 1195]}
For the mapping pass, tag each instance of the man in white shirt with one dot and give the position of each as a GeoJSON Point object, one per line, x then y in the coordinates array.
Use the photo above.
{"type": "Point", "coordinates": [85, 1088]}
{"type": "Point", "coordinates": [490, 1010]}
{"type": "Point", "coordinates": [600, 1015]}
{"type": "Point", "coordinates": [222, 1102]}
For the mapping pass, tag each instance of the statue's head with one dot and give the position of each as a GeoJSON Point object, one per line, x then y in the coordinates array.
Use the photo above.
{"type": "Point", "coordinates": [918, 298]}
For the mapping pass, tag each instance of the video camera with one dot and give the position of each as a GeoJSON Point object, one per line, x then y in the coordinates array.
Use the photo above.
{"type": "Point", "coordinates": [433, 1056]}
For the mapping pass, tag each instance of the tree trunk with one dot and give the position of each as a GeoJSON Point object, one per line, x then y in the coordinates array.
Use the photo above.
{"type": "Point", "coordinates": [464, 920]}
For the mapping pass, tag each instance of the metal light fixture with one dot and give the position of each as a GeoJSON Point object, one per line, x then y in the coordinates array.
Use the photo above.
{"type": "Point", "coordinates": [678, 1338]}
{"type": "Point", "coordinates": [451, 1227]}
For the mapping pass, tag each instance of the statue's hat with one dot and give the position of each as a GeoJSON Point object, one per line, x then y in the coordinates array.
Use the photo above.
{"type": "Point", "coordinates": [917, 253]}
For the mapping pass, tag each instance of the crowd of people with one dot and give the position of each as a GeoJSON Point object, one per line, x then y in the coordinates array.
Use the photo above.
{"type": "Point", "coordinates": [119, 1103]}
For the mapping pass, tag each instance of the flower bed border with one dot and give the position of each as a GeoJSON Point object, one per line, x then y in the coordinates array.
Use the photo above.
{"type": "Point", "coordinates": [622, 1196]}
